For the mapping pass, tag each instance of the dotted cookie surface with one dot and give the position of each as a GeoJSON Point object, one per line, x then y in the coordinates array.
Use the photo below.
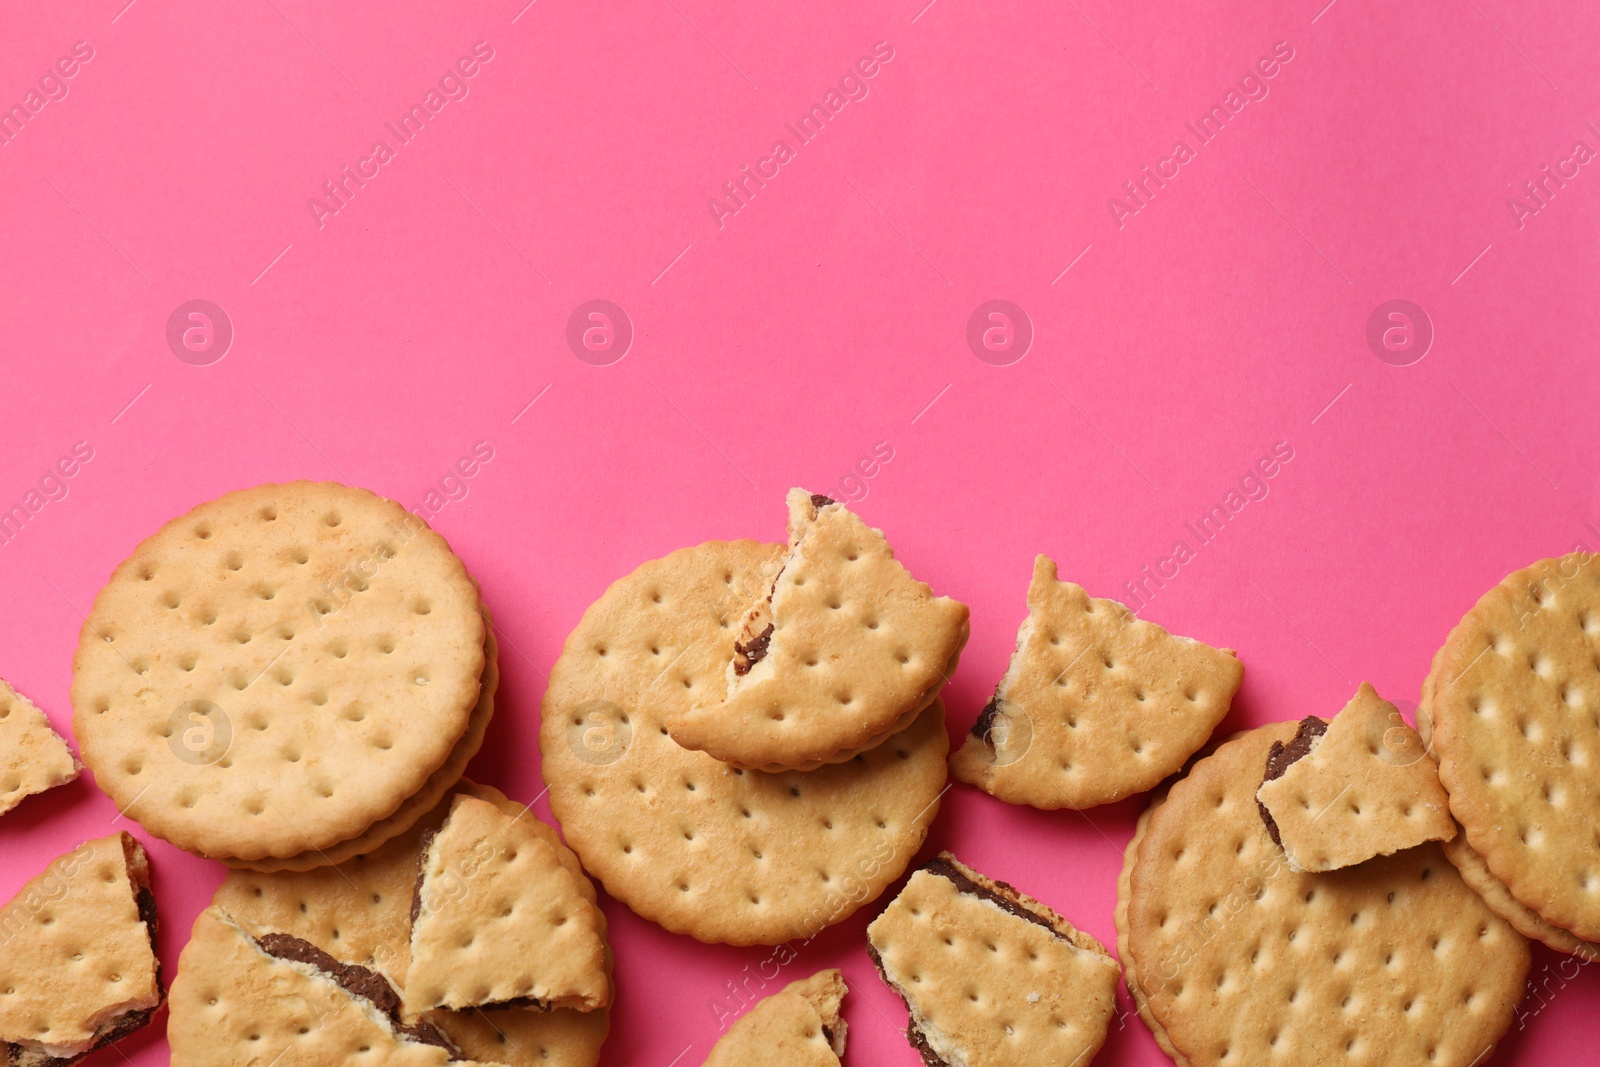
{"type": "Point", "coordinates": [1239, 960]}
{"type": "Point", "coordinates": [74, 949]}
{"type": "Point", "coordinates": [277, 670]}
{"type": "Point", "coordinates": [33, 757]}
{"type": "Point", "coordinates": [423, 800]}
{"type": "Point", "coordinates": [798, 1026]}
{"type": "Point", "coordinates": [1514, 699]}
{"type": "Point", "coordinates": [842, 649]}
{"type": "Point", "coordinates": [703, 848]}
{"type": "Point", "coordinates": [1096, 705]}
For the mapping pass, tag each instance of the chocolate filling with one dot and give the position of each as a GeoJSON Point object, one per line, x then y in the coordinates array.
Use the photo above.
{"type": "Point", "coordinates": [751, 652]}
{"type": "Point", "coordinates": [964, 884]}
{"type": "Point", "coordinates": [945, 869]}
{"type": "Point", "coordinates": [913, 1035]}
{"type": "Point", "coordinates": [355, 980]}
{"type": "Point", "coordinates": [422, 868]}
{"type": "Point", "coordinates": [986, 717]}
{"type": "Point", "coordinates": [1279, 759]}
{"type": "Point", "coordinates": [120, 1026]}
{"type": "Point", "coordinates": [820, 501]}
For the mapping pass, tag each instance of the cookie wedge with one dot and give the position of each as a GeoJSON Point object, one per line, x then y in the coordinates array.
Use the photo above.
{"type": "Point", "coordinates": [1096, 705]}
{"type": "Point", "coordinates": [77, 955]}
{"type": "Point", "coordinates": [498, 920]}
{"type": "Point", "coordinates": [797, 1027]}
{"type": "Point", "coordinates": [992, 977]}
{"type": "Point", "coordinates": [1343, 792]}
{"type": "Point", "coordinates": [33, 757]}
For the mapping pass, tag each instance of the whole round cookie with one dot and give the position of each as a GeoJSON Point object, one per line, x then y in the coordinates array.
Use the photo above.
{"type": "Point", "coordinates": [701, 847]}
{"type": "Point", "coordinates": [360, 913]}
{"type": "Point", "coordinates": [277, 670]}
{"type": "Point", "coordinates": [1514, 698]}
{"type": "Point", "coordinates": [1240, 960]}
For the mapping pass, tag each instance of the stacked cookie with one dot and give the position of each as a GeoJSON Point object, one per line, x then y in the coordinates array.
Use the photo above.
{"type": "Point", "coordinates": [473, 936]}
{"type": "Point", "coordinates": [285, 677]}
{"type": "Point", "coordinates": [744, 741]}
{"type": "Point", "coordinates": [1514, 702]}
{"type": "Point", "coordinates": [1237, 951]}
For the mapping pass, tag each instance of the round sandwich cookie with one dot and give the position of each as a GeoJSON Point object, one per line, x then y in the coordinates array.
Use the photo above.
{"type": "Point", "coordinates": [1234, 958]}
{"type": "Point", "coordinates": [1514, 702]}
{"type": "Point", "coordinates": [359, 912]}
{"type": "Point", "coordinates": [699, 846]}
{"type": "Point", "coordinates": [276, 671]}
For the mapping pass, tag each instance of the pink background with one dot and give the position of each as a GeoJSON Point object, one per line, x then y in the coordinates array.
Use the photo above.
{"type": "Point", "coordinates": [828, 314]}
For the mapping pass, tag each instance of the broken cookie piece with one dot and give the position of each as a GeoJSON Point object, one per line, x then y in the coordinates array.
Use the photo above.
{"type": "Point", "coordinates": [498, 919]}
{"type": "Point", "coordinates": [1364, 785]}
{"type": "Point", "coordinates": [798, 1027]}
{"type": "Point", "coordinates": [250, 996]}
{"type": "Point", "coordinates": [1096, 705]}
{"type": "Point", "coordinates": [845, 649]}
{"type": "Point", "coordinates": [992, 977]}
{"type": "Point", "coordinates": [33, 757]}
{"type": "Point", "coordinates": [78, 967]}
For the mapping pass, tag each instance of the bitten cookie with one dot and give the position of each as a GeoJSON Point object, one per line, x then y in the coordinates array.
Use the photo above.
{"type": "Point", "coordinates": [798, 1027]}
{"type": "Point", "coordinates": [1096, 705]}
{"type": "Point", "coordinates": [1240, 961]}
{"type": "Point", "coordinates": [1514, 699]}
{"type": "Point", "coordinates": [78, 968]}
{"type": "Point", "coordinates": [360, 913]}
{"type": "Point", "coordinates": [497, 919]}
{"type": "Point", "coordinates": [1361, 786]}
{"type": "Point", "coordinates": [685, 840]}
{"type": "Point", "coordinates": [277, 670]}
{"type": "Point", "coordinates": [992, 977]}
{"type": "Point", "coordinates": [245, 995]}
{"type": "Point", "coordinates": [843, 649]}
{"type": "Point", "coordinates": [33, 757]}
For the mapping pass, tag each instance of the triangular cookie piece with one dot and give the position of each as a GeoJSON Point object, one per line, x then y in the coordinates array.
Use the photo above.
{"type": "Point", "coordinates": [844, 650]}
{"type": "Point", "coordinates": [992, 977]}
{"type": "Point", "coordinates": [498, 919]}
{"type": "Point", "coordinates": [33, 757]}
{"type": "Point", "coordinates": [798, 1027]}
{"type": "Point", "coordinates": [247, 996]}
{"type": "Point", "coordinates": [78, 968]}
{"type": "Point", "coordinates": [1096, 705]}
{"type": "Point", "coordinates": [1361, 786]}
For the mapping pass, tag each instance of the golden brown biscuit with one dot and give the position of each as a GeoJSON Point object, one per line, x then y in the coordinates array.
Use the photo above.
{"type": "Point", "coordinates": [841, 649]}
{"type": "Point", "coordinates": [992, 977]}
{"type": "Point", "coordinates": [1096, 705]}
{"type": "Point", "coordinates": [497, 918]}
{"type": "Point", "coordinates": [797, 1027]}
{"type": "Point", "coordinates": [277, 670]}
{"type": "Point", "coordinates": [33, 757]}
{"type": "Point", "coordinates": [1515, 705]}
{"type": "Point", "coordinates": [78, 968]}
{"type": "Point", "coordinates": [1361, 786]}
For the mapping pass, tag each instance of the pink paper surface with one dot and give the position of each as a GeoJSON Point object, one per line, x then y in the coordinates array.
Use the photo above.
{"type": "Point", "coordinates": [1177, 335]}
